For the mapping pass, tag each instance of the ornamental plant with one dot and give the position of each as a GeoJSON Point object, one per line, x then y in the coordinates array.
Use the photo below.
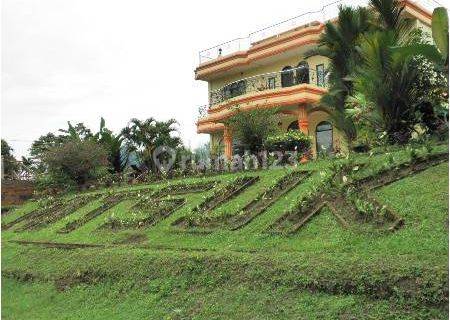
{"type": "Point", "coordinates": [291, 140]}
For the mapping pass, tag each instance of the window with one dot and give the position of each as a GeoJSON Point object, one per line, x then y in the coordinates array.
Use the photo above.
{"type": "Point", "coordinates": [293, 125]}
{"type": "Point", "coordinates": [320, 70]}
{"type": "Point", "coordinates": [235, 89]}
{"type": "Point", "coordinates": [287, 77]}
{"type": "Point", "coordinates": [324, 138]}
{"type": "Point", "coordinates": [271, 83]}
{"type": "Point", "coordinates": [302, 72]}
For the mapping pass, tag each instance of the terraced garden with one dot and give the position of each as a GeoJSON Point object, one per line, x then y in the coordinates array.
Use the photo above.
{"type": "Point", "coordinates": [363, 237]}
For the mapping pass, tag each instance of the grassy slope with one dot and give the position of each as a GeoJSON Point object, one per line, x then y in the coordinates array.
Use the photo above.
{"type": "Point", "coordinates": [321, 272]}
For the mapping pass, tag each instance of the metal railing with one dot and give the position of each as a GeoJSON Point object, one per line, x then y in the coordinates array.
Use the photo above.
{"type": "Point", "coordinates": [264, 82]}
{"type": "Point", "coordinates": [325, 13]}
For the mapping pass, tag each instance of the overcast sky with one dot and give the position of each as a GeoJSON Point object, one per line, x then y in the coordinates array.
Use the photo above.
{"type": "Point", "coordinates": [79, 60]}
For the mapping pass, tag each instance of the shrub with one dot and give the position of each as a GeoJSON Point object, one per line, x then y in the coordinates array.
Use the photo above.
{"type": "Point", "coordinates": [251, 128]}
{"type": "Point", "coordinates": [75, 163]}
{"type": "Point", "coordinates": [292, 140]}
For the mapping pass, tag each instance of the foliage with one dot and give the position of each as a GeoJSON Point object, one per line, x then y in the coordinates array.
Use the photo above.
{"type": "Point", "coordinates": [118, 152]}
{"type": "Point", "coordinates": [251, 128]}
{"type": "Point", "coordinates": [387, 81]}
{"type": "Point", "coordinates": [339, 43]}
{"type": "Point", "coordinates": [393, 90]}
{"type": "Point", "coordinates": [145, 136]}
{"type": "Point", "coordinates": [292, 140]}
{"type": "Point", "coordinates": [9, 163]}
{"type": "Point", "coordinates": [114, 145]}
{"type": "Point", "coordinates": [202, 152]}
{"type": "Point", "coordinates": [438, 52]}
{"type": "Point", "coordinates": [45, 143]}
{"type": "Point", "coordinates": [377, 275]}
{"type": "Point", "coordinates": [75, 163]}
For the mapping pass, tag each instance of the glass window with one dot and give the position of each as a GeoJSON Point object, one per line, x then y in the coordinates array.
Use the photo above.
{"type": "Point", "coordinates": [293, 125]}
{"type": "Point", "coordinates": [287, 77]}
{"type": "Point", "coordinates": [235, 89]}
{"type": "Point", "coordinates": [271, 83]}
{"type": "Point", "coordinates": [324, 138]}
{"type": "Point", "coordinates": [303, 72]}
{"type": "Point", "coordinates": [320, 70]}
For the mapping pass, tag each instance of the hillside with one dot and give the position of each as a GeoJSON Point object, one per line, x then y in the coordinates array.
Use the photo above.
{"type": "Point", "coordinates": [332, 239]}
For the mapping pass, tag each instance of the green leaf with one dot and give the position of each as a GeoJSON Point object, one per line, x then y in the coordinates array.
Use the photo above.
{"type": "Point", "coordinates": [427, 50]}
{"type": "Point", "coordinates": [439, 27]}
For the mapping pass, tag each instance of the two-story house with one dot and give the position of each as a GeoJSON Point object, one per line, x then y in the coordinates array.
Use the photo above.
{"type": "Point", "coordinates": [267, 69]}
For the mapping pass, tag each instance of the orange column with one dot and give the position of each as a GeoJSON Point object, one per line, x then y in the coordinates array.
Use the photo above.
{"type": "Point", "coordinates": [303, 119]}
{"type": "Point", "coordinates": [303, 126]}
{"type": "Point", "coordinates": [228, 141]}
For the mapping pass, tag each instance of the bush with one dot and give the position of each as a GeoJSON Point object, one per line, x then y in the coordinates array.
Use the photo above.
{"type": "Point", "coordinates": [74, 163]}
{"type": "Point", "coordinates": [292, 140]}
{"type": "Point", "coordinates": [251, 128]}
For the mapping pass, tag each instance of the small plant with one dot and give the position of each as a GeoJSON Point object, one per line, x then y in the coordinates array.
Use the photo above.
{"type": "Point", "coordinates": [413, 154]}
{"type": "Point", "coordinates": [292, 140]}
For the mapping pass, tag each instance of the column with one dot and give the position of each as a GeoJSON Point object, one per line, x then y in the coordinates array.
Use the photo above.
{"type": "Point", "coordinates": [303, 127]}
{"type": "Point", "coordinates": [228, 142]}
{"type": "Point", "coordinates": [303, 119]}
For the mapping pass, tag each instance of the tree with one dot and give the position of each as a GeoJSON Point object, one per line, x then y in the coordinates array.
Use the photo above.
{"type": "Point", "coordinates": [251, 128]}
{"type": "Point", "coordinates": [339, 43]}
{"type": "Point", "coordinates": [41, 146]}
{"type": "Point", "coordinates": [114, 144]}
{"type": "Point", "coordinates": [118, 152]}
{"type": "Point", "coordinates": [386, 80]}
{"type": "Point", "coordinates": [9, 163]}
{"type": "Point", "coordinates": [75, 163]}
{"type": "Point", "coordinates": [146, 136]}
{"type": "Point", "coordinates": [391, 82]}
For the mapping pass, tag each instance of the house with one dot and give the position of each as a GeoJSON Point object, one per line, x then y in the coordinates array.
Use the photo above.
{"type": "Point", "coordinates": [268, 69]}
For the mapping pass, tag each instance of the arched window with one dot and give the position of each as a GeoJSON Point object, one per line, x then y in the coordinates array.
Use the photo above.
{"type": "Point", "coordinates": [287, 77]}
{"type": "Point", "coordinates": [302, 74]}
{"type": "Point", "coordinates": [293, 125]}
{"type": "Point", "coordinates": [324, 138]}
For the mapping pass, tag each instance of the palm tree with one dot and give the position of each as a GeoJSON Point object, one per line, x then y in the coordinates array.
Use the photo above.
{"type": "Point", "coordinates": [386, 77]}
{"type": "Point", "coordinates": [145, 136]}
{"type": "Point", "coordinates": [387, 81]}
{"type": "Point", "coordinates": [118, 152]}
{"type": "Point", "coordinates": [339, 43]}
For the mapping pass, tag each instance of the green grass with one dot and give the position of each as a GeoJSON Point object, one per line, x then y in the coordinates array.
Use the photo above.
{"type": "Point", "coordinates": [321, 272]}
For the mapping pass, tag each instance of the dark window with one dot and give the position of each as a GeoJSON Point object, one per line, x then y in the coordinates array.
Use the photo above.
{"type": "Point", "coordinates": [271, 83]}
{"type": "Point", "coordinates": [320, 70]}
{"type": "Point", "coordinates": [234, 89]}
{"type": "Point", "coordinates": [287, 77]}
{"type": "Point", "coordinates": [324, 138]}
{"type": "Point", "coordinates": [302, 72]}
{"type": "Point", "coordinates": [293, 125]}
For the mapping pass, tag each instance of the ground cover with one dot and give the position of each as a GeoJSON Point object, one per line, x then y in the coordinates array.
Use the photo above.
{"type": "Point", "coordinates": [328, 268]}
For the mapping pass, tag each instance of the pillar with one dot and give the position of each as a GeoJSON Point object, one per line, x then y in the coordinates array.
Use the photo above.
{"type": "Point", "coordinates": [303, 119]}
{"type": "Point", "coordinates": [228, 142]}
{"type": "Point", "coordinates": [303, 126]}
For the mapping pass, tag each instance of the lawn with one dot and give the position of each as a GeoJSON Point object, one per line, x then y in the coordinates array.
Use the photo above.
{"type": "Point", "coordinates": [163, 269]}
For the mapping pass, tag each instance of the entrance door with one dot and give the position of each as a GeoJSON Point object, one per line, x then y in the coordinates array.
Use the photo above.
{"type": "Point", "coordinates": [324, 138]}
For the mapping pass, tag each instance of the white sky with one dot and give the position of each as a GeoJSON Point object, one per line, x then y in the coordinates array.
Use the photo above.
{"type": "Point", "coordinates": [79, 60]}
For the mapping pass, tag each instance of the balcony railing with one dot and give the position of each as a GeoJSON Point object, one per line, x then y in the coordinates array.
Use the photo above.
{"type": "Point", "coordinates": [327, 12]}
{"type": "Point", "coordinates": [269, 81]}
{"type": "Point", "coordinates": [264, 82]}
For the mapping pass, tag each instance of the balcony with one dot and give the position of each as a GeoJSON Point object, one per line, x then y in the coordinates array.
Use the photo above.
{"type": "Point", "coordinates": [269, 81]}
{"type": "Point", "coordinates": [325, 13]}
{"type": "Point", "coordinates": [270, 88]}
